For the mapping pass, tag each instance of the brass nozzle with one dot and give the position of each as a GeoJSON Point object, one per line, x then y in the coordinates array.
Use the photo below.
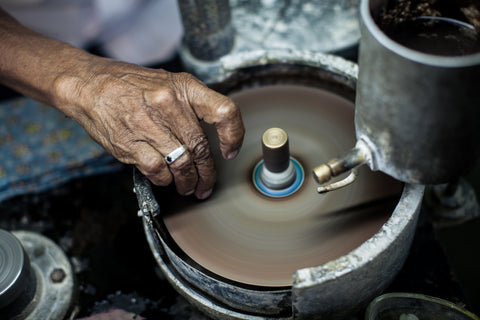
{"type": "Point", "coordinates": [335, 167]}
{"type": "Point", "coordinates": [322, 173]}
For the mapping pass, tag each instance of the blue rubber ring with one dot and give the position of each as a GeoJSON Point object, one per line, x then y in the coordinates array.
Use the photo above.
{"type": "Point", "coordinates": [299, 177]}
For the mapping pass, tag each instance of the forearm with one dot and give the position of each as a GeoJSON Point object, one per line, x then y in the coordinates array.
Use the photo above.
{"type": "Point", "coordinates": [139, 115]}
{"type": "Point", "coordinates": [38, 66]}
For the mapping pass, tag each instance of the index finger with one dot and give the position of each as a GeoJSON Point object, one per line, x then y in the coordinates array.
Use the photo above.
{"type": "Point", "coordinates": [219, 110]}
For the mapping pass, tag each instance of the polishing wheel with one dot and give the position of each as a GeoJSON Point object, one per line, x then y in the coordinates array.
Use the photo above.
{"type": "Point", "coordinates": [252, 237]}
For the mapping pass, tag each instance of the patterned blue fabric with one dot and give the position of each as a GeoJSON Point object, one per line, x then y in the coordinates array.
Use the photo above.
{"type": "Point", "coordinates": [40, 148]}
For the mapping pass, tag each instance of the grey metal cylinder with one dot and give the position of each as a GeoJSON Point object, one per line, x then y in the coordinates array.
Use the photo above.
{"type": "Point", "coordinates": [418, 112]}
{"type": "Point", "coordinates": [14, 268]}
{"type": "Point", "coordinates": [208, 30]}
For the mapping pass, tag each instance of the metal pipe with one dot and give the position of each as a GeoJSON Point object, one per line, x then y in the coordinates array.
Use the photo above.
{"type": "Point", "coordinates": [208, 31]}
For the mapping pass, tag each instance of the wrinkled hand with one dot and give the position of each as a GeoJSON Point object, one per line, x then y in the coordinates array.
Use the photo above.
{"type": "Point", "coordinates": [140, 115]}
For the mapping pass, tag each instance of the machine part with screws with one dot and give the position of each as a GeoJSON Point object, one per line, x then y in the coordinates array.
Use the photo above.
{"type": "Point", "coordinates": [14, 268]}
{"type": "Point", "coordinates": [47, 282]}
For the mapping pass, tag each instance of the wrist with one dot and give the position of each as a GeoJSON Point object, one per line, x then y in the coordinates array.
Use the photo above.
{"type": "Point", "coordinates": [71, 87]}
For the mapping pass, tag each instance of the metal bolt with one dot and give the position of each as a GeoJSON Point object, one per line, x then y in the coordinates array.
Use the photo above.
{"type": "Point", "coordinates": [58, 275]}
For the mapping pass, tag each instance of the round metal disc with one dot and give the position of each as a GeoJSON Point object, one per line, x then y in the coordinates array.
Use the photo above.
{"type": "Point", "coordinates": [14, 268]}
{"type": "Point", "coordinates": [249, 238]}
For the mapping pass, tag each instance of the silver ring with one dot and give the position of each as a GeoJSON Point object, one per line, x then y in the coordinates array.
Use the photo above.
{"type": "Point", "coordinates": [175, 154]}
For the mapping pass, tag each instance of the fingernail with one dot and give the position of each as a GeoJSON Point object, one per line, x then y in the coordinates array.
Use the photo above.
{"type": "Point", "coordinates": [190, 192]}
{"type": "Point", "coordinates": [232, 154]}
{"type": "Point", "coordinates": [206, 194]}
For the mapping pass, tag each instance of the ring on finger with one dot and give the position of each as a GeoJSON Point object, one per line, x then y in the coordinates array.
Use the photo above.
{"type": "Point", "coordinates": [175, 154]}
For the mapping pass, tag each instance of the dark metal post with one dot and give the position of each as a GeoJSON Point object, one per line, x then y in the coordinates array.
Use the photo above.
{"type": "Point", "coordinates": [208, 30]}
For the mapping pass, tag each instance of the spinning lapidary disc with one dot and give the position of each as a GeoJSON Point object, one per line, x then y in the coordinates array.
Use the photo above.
{"type": "Point", "coordinates": [245, 236]}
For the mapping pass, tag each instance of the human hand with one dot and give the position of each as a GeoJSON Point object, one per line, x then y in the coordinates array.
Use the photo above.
{"type": "Point", "coordinates": [140, 115]}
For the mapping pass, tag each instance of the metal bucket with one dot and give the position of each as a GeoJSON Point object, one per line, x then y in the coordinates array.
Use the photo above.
{"type": "Point", "coordinates": [418, 112]}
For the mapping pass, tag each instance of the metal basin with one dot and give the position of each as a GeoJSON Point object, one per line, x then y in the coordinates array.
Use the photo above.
{"type": "Point", "coordinates": [333, 289]}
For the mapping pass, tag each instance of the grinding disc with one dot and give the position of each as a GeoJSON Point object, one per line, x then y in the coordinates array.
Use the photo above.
{"type": "Point", "coordinates": [246, 237]}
